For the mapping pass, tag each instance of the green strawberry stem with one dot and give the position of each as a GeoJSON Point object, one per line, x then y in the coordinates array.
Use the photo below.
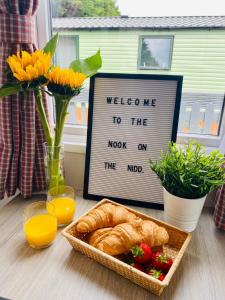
{"type": "Point", "coordinates": [162, 258]}
{"type": "Point", "coordinates": [155, 273]}
{"type": "Point", "coordinates": [137, 251]}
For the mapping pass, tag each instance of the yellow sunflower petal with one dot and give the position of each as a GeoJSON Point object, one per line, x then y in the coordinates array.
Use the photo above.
{"type": "Point", "coordinates": [32, 72]}
{"type": "Point", "coordinates": [27, 67]}
{"type": "Point", "coordinates": [66, 77]}
{"type": "Point", "coordinates": [25, 59]}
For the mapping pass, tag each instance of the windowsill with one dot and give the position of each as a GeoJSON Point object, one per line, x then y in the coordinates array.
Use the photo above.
{"type": "Point", "coordinates": [6, 199]}
{"type": "Point", "coordinates": [153, 69]}
{"type": "Point", "coordinates": [74, 143]}
{"type": "Point", "coordinates": [77, 144]}
{"type": "Point", "coordinates": [214, 141]}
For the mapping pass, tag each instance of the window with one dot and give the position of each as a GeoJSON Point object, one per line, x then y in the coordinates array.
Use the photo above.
{"type": "Point", "coordinates": [67, 50]}
{"type": "Point", "coordinates": [155, 52]}
{"type": "Point", "coordinates": [145, 45]}
{"type": "Point", "coordinates": [201, 113]}
{"type": "Point", "coordinates": [202, 118]}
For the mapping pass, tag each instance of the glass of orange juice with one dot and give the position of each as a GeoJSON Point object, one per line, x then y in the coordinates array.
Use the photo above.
{"type": "Point", "coordinates": [39, 226]}
{"type": "Point", "coordinates": [64, 204]}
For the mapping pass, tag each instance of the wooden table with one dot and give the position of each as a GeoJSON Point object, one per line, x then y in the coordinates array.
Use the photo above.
{"type": "Point", "coordinates": [59, 272]}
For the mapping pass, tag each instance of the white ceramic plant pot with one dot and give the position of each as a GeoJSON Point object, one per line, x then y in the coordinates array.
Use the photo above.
{"type": "Point", "coordinates": [181, 212]}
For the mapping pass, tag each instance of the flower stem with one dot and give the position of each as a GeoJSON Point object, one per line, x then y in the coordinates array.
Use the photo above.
{"type": "Point", "coordinates": [43, 117]}
{"type": "Point", "coordinates": [61, 106]}
{"type": "Point", "coordinates": [61, 113]}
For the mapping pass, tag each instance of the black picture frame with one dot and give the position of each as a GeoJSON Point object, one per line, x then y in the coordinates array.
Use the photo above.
{"type": "Point", "coordinates": [135, 202]}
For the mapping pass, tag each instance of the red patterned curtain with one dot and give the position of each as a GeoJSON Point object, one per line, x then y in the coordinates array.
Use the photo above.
{"type": "Point", "coordinates": [219, 213]}
{"type": "Point", "coordinates": [21, 136]}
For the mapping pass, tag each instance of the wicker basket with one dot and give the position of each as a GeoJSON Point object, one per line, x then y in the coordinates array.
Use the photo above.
{"type": "Point", "coordinates": [175, 248]}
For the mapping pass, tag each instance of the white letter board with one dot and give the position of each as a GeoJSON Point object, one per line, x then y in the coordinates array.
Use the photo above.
{"type": "Point", "coordinates": [132, 118]}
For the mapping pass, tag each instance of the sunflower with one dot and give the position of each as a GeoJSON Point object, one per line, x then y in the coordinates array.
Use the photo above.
{"type": "Point", "coordinates": [29, 67]}
{"type": "Point", "coordinates": [65, 81]}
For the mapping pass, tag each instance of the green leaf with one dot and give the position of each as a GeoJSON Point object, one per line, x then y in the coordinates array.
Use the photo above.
{"type": "Point", "coordinates": [88, 66]}
{"type": "Point", "coordinates": [51, 45]}
{"type": "Point", "coordinates": [194, 185]}
{"type": "Point", "coordinates": [10, 89]}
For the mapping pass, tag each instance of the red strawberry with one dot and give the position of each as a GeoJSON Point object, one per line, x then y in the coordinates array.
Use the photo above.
{"type": "Point", "coordinates": [142, 253]}
{"type": "Point", "coordinates": [156, 274]}
{"type": "Point", "coordinates": [161, 277]}
{"type": "Point", "coordinates": [161, 261]}
{"type": "Point", "coordinates": [138, 266]}
{"type": "Point", "coordinates": [130, 261]}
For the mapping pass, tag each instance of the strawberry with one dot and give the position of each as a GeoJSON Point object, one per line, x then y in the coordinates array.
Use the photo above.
{"type": "Point", "coordinates": [162, 276]}
{"type": "Point", "coordinates": [156, 274]}
{"type": "Point", "coordinates": [130, 261]}
{"type": "Point", "coordinates": [138, 266]}
{"type": "Point", "coordinates": [142, 254]}
{"type": "Point", "coordinates": [161, 261]}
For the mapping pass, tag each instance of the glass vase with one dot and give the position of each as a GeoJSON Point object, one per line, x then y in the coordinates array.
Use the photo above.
{"type": "Point", "coordinates": [54, 166]}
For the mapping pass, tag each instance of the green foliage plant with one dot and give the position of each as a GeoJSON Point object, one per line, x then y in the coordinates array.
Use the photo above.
{"type": "Point", "coordinates": [190, 172]}
{"type": "Point", "coordinates": [84, 8]}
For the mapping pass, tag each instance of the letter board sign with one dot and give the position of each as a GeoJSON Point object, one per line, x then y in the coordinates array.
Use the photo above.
{"type": "Point", "coordinates": [131, 119]}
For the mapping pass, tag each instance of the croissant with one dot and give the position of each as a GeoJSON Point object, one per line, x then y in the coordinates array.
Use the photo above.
{"type": "Point", "coordinates": [106, 215]}
{"type": "Point", "coordinates": [96, 236]}
{"type": "Point", "coordinates": [124, 236]}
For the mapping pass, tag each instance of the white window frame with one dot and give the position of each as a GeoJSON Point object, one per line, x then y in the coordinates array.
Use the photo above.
{"type": "Point", "coordinates": [75, 135]}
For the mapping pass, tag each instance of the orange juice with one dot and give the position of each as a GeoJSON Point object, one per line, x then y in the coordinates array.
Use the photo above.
{"type": "Point", "coordinates": [40, 230]}
{"type": "Point", "coordinates": [64, 208]}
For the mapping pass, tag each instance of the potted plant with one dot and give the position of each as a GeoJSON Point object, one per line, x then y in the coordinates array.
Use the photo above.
{"type": "Point", "coordinates": [187, 175]}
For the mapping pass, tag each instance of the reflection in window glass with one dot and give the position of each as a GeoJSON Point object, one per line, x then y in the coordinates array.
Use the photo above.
{"type": "Point", "coordinates": [201, 113]}
{"type": "Point", "coordinates": [67, 50]}
{"type": "Point", "coordinates": [156, 53]}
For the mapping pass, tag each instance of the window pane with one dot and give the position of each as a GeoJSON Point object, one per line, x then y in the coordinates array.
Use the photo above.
{"type": "Point", "coordinates": [200, 113]}
{"type": "Point", "coordinates": [155, 53]}
{"type": "Point", "coordinates": [78, 108]}
{"type": "Point", "coordinates": [147, 45]}
{"type": "Point", "coordinates": [66, 50]}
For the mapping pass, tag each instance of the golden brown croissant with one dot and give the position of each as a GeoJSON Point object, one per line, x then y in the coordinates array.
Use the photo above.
{"type": "Point", "coordinates": [96, 236]}
{"type": "Point", "coordinates": [106, 215]}
{"type": "Point", "coordinates": [124, 236]}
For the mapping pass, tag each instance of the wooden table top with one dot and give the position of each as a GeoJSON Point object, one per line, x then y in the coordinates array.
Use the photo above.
{"type": "Point", "coordinates": [59, 272]}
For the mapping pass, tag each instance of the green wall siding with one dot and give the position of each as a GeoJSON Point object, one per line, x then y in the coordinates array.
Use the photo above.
{"type": "Point", "coordinates": [198, 55]}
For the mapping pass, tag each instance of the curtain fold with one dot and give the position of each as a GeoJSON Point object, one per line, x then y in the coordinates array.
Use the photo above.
{"type": "Point", "coordinates": [219, 213]}
{"type": "Point", "coordinates": [21, 135]}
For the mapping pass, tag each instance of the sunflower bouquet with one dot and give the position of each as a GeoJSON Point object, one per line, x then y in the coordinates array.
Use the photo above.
{"type": "Point", "coordinates": [36, 72]}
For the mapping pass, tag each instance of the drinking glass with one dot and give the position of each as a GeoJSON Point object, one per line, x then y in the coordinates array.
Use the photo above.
{"type": "Point", "coordinates": [63, 200]}
{"type": "Point", "coordinates": [40, 226]}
